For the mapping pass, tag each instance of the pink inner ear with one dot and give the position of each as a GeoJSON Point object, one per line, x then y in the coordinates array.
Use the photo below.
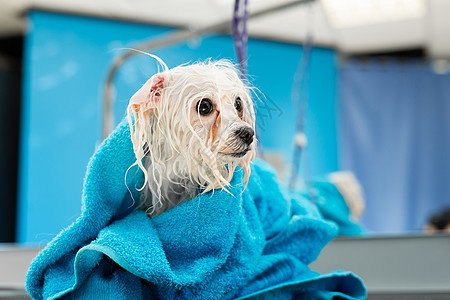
{"type": "Point", "coordinates": [149, 94]}
{"type": "Point", "coordinates": [157, 85]}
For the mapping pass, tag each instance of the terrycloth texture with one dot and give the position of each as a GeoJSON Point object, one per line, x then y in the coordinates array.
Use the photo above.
{"type": "Point", "coordinates": [255, 244]}
{"type": "Point", "coordinates": [333, 207]}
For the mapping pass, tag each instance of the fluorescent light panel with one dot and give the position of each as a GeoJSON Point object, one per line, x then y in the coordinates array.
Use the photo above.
{"type": "Point", "coordinates": [355, 13]}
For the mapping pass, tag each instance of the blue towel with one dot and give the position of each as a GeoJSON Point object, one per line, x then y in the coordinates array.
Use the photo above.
{"type": "Point", "coordinates": [254, 244]}
{"type": "Point", "coordinates": [333, 207]}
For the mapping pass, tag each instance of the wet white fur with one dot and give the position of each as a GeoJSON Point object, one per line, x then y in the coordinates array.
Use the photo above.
{"type": "Point", "coordinates": [173, 143]}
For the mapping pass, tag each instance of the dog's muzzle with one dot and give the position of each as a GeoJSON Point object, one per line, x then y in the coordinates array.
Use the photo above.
{"type": "Point", "coordinates": [243, 138]}
{"type": "Point", "coordinates": [245, 134]}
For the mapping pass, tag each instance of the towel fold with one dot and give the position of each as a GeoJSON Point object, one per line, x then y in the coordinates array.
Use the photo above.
{"type": "Point", "coordinates": [333, 207]}
{"type": "Point", "coordinates": [255, 243]}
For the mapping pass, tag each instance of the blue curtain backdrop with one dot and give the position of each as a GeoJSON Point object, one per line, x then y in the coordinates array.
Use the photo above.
{"type": "Point", "coordinates": [395, 136]}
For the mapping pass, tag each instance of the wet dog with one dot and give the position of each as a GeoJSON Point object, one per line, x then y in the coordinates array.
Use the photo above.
{"type": "Point", "coordinates": [191, 127]}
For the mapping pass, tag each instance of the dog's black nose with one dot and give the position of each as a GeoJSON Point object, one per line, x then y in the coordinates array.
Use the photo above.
{"type": "Point", "coordinates": [246, 134]}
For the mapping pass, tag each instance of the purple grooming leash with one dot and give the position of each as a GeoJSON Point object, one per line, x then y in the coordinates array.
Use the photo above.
{"type": "Point", "coordinates": [240, 35]}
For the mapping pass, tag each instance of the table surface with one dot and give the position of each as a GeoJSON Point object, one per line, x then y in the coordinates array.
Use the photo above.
{"type": "Point", "coordinates": [416, 264]}
{"type": "Point", "coordinates": [403, 267]}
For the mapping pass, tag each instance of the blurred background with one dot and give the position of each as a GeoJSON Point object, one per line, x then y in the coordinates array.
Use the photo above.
{"type": "Point", "coordinates": [366, 81]}
{"type": "Point", "coordinates": [375, 97]}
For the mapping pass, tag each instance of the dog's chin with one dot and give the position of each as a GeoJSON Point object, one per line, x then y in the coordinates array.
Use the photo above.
{"type": "Point", "coordinates": [233, 156]}
{"type": "Point", "coordinates": [239, 154]}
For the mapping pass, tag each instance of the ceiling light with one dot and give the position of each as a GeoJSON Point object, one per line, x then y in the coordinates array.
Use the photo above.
{"type": "Point", "coordinates": [355, 13]}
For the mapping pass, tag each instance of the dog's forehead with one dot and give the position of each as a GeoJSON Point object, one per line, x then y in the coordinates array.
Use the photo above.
{"type": "Point", "coordinates": [207, 76]}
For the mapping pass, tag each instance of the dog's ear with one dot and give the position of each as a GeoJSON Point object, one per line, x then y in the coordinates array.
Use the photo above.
{"type": "Point", "coordinates": [148, 96]}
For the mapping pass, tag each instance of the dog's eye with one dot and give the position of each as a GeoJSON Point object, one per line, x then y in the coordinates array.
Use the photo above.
{"type": "Point", "coordinates": [204, 107]}
{"type": "Point", "coordinates": [238, 104]}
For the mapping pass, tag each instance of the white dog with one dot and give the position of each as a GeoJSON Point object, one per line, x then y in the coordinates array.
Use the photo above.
{"type": "Point", "coordinates": [191, 126]}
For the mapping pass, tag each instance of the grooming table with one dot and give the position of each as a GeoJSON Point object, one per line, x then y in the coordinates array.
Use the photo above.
{"type": "Point", "coordinates": [393, 267]}
{"type": "Point", "coordinates": [14, 262]}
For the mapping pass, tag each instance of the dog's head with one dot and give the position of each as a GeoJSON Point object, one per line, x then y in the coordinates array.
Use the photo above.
{"type": "Point", "coordinates": [194, 123]}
